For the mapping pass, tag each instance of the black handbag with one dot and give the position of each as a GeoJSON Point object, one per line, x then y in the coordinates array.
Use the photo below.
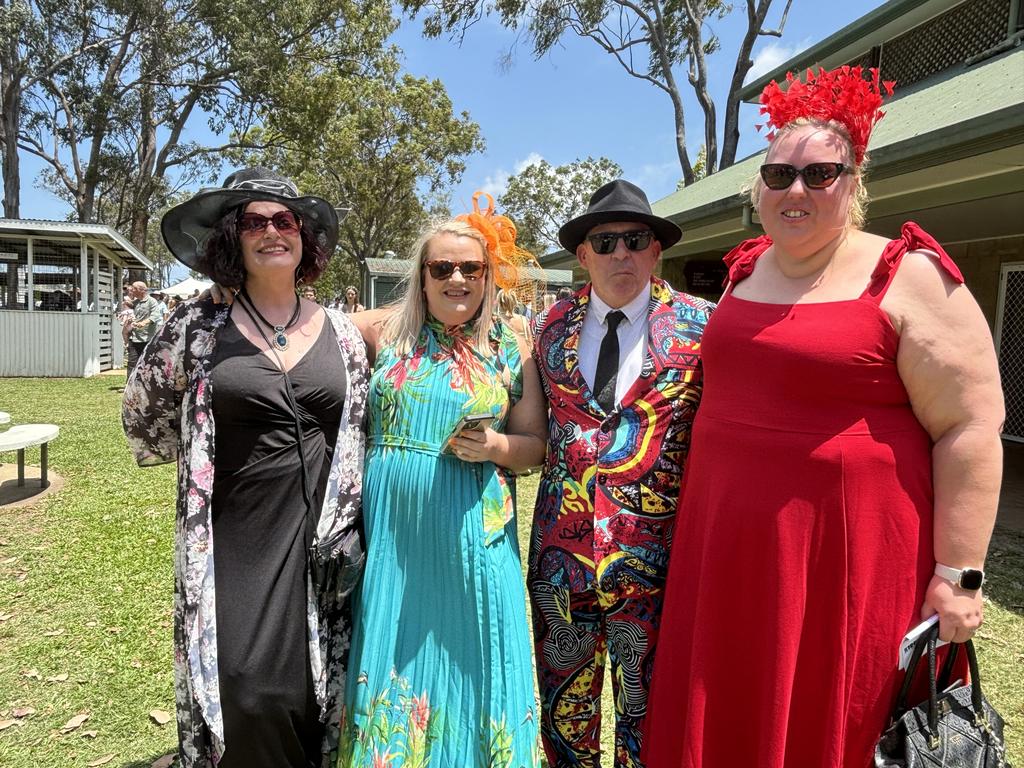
{"type": "Point", "coordinates": [955, 728]}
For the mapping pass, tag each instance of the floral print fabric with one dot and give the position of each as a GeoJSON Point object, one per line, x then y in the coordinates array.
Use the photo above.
{"type": "Point", "coordinates": [440, 674]}
{"type": "Point", "coordinates": [167, 415]}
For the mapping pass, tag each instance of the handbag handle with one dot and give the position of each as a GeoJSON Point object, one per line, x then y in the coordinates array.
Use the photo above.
{"type": "Point", "coordinates": [929, 640]}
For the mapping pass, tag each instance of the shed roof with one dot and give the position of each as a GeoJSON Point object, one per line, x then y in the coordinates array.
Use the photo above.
{"type": "Point", "coordinates": [108, 239]}
{"type": "Point", "coordinates": [935, 116]}
{"type": "Point", "coordinates": [885, 22]}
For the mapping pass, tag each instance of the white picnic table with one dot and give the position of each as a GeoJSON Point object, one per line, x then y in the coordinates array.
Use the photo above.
{"type": "Point", "coordinates": [5, 418]}
{"type": "Point", "coordinates": [22, 436]}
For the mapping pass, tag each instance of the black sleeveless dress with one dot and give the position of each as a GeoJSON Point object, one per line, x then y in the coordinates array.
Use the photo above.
{"type": "Point", "coordinates": [261, 534]}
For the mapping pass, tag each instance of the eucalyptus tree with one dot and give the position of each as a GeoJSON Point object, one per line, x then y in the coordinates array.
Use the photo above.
{"type": "Point", "coordinates": [186, 82]}
{"type": "Point", "coordinates": [650, 39]}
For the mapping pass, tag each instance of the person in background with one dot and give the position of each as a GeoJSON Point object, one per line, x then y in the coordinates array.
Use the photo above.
{"type": "Point", "coordinates": [352, 301]}
{"type": "Point", "coordinates": [161, 305]}
{"type": "Point", "coordinates": [845, 468]}
{"type": "Point", "coordinates": [506, 308]}
{"type": "Point", "coordinates": [172, 304]}
{"type": "Point", "coordinates": [261, 403]}
{"type": "Point", "coordinates": [441, 649]}
{"type": "Point", "coordinates": [309, 293]}
{"type": "Point", "coordinates": [564, 293]}
{"type": "Point", "coordinates": [145, 322]}
{"type": "Point", "coordinates": [620, 362]}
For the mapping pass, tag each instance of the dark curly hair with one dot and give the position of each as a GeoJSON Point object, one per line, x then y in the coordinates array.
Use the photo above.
{"type": "Point", "coordinates": [221, 258]}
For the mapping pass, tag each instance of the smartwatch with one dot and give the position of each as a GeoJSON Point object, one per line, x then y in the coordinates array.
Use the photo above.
{"type": "Point", "coordinates": [970, 579]}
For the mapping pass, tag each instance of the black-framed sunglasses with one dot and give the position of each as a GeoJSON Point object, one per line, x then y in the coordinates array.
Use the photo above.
{"type": "Point", "coordinates": [285, 222]}
{"type": "Point", "coordinates": [442, 269]}
{"type": "Point", "coordinates": [816, 175]}
{"type": "Point", "coordinates": [604, 243]}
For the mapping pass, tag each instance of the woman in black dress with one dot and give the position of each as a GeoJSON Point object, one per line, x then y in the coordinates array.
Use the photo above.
{"type": "Point", "coordinates": [268, 542]}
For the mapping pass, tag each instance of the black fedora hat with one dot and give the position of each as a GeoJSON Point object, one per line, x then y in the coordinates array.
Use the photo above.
{"type": "Point", "coordinates": [187, 226]}
{"type": "Point", "coordinates": [617, 200]}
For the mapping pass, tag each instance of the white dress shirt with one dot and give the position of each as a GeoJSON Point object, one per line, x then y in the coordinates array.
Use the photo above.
{"type": "Point", "coordinates": [632, 332]}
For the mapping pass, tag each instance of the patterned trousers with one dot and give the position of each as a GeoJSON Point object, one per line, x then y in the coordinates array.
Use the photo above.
{"type": "Point", "coordinates": [573, 635]}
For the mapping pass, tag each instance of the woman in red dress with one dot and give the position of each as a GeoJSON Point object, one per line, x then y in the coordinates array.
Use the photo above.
{"type": "Point", "coordinates": [845, 465]}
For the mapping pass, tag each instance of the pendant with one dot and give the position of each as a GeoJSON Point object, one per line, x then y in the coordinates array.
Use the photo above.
{"type": "Point", "coordinates": [280, 338]}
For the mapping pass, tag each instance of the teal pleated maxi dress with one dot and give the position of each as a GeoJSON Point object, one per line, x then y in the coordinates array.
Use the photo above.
{"type": "Point", "coordinates": [440, 672]}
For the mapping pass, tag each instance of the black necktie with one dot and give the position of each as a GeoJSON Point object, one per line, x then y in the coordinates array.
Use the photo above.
{"type": "Point", "coordinates": [608, 363]}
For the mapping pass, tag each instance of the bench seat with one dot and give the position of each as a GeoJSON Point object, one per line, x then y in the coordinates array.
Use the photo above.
{"type": "Point", "coordinates": [23, 436]}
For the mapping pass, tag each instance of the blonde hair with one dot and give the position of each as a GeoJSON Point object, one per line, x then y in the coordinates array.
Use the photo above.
{"type": "Point", "coordinates": [506, 303]}
{"type": "Point", "coordinates": [404, 324]}
{"type": "Point", "coordinates": [856, 216]}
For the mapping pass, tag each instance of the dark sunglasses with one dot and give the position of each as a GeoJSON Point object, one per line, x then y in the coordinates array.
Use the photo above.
{"type": "Point", "coordinates": [442, 269]}
{"type": "Point", "coordinates": [285, 222]}
{"type": "Point", "coordinates": [816, 175]}
{"type": "Point", "coordinates": [604, 243]}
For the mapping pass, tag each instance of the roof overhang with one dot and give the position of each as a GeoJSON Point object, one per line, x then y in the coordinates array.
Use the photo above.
{"type": "Point", "coordinates": [886, 22]}
{"type": "Point", "coordinates": [956, 142]}
{"type": "Point", "coordinates": [104, 239]}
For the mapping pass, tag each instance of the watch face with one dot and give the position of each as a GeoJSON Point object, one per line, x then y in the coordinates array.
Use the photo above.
{"type": "Point", "coordinates": [971, 578]}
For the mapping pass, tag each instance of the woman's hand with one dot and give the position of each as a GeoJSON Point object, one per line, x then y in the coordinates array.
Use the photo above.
{"type": "Point", "coordinates": [960, 610]}
{"type": "Point", "coordinates": [220, 294]}
{"type": "Point", "coordinates": [476, 445]}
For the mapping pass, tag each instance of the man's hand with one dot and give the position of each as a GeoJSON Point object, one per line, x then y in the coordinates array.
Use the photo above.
{"type": "Point", "coordinates": [220, 294]}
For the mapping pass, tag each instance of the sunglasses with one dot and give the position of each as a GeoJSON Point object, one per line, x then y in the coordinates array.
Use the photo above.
{"type": "Point", "coordinates": [816, 175]}
{"type": "Point", "coordinates": [605, 242]}
{"type": "Point", "coordinates": [285, 222]}
{"type": "Point", "coordinates": [442, 269]}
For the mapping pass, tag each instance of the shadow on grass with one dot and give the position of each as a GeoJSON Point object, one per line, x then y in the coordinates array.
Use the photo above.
{"type": "Point", "coordinates": [1004, 569]}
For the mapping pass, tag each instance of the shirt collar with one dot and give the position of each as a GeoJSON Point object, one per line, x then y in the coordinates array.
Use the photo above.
{"type": "Point", "coordinates": [634, 311]}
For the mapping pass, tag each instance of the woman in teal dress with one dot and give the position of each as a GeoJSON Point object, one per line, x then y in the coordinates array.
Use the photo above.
{"type": "Point", "coordinates": [440, 667]}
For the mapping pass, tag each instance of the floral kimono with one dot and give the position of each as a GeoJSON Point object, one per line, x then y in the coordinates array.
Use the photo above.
{"type": "Point", "coordinates": [168, 416]}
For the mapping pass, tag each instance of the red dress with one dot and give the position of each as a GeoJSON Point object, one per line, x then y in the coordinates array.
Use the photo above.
{"type": "Point", "coordinates": [803, 542]}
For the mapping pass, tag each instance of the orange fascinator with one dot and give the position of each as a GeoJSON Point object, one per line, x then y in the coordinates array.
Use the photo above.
{"type": "Point", "coordinates": [843, 95]}
{"type": "Point", "coordinates": [509, 261]}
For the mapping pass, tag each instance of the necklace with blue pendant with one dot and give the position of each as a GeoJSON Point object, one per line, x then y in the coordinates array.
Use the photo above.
{"type": "Point", "coordinates": [279, 340]}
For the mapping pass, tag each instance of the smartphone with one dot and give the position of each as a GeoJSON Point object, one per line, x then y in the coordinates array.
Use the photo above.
{"type": "Point", "coordinates": [474, 421]}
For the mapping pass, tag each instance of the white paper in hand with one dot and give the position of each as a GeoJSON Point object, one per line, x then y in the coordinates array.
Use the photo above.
{"type": "Point", "coordinates": [910, 640]}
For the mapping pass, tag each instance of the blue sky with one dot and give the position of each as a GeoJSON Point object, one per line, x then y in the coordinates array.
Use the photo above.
{"type": "Point", "coordinates": [574, 102]}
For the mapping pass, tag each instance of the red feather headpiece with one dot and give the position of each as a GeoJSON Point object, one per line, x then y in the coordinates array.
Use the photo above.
{"type": "Point", "coordinates": [843, 95]}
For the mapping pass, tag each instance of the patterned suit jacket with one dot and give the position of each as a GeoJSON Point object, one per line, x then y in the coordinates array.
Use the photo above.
{"type": "Point", "coordinates": [610, 484]}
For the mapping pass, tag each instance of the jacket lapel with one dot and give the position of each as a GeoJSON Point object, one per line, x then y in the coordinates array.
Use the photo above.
{"type": "Point", "coordinates": [574, 315]}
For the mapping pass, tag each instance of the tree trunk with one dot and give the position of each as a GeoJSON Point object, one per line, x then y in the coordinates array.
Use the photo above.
{"type": "Point", "coordinates": [9, 124]}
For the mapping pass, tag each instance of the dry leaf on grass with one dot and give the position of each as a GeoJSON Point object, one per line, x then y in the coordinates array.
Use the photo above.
{"type": "Point", "coordinates": [32, 674]}
{"type": "Point", "coordinates": [5, 724]}
{"type": "Point", "coordinates": [74, 723]}
{"type": "Point", "coordinates": [101, 760]}
{"type": "Point", "coordinates": [163, 762]}
{"type": "Point", "coordinates": [89, 734]}
{"type": "Point", "coordinates": [8, 560]}
{"type": "Point", "coordinates": [58, 678]}
{"type": "Point", "coordinates": [22, 711]}
{"type": "Point", "coordinates": [160, 717]}
{"type": "Point", "coordinates": [6, 616]}
{"type": "Point", "coordinates": [53, 633]}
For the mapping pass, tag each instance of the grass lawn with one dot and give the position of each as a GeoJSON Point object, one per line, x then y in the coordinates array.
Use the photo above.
{"type": "Point", "coordinates": [85, 596]}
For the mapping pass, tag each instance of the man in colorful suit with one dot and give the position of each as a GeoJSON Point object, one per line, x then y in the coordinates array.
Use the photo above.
{"type": "Point", "coordinates": [620, 363]}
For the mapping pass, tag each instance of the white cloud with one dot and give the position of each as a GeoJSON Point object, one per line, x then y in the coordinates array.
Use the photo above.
{"type": "Point", "coordinates": [534, 158]}
{"type": "Point", "coordinates": [658, 179]}
{"type": "Point", "coordinates": [772, 55]}
{"type": "Point", "coordinates": [496, 182]}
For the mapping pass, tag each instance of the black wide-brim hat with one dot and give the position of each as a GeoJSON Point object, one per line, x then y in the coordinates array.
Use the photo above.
{"type": "Point", "coordinates": [617, 200]}
{"type": "Point", "coordinates": [187, 226]}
